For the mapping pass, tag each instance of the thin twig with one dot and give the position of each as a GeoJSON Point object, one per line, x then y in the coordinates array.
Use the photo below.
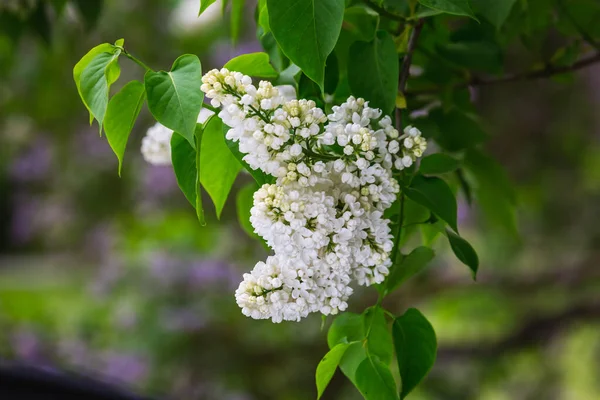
{"type": "Point", "coordinates": [135, 60]}
{"type": "Point", "coordinates": [403, 77]}
{"type": "Point", "coordinates": [546, 72]}
{"type": "Point", "coordinates": [405, 68]}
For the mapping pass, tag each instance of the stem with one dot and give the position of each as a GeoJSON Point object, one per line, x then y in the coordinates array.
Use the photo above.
{"type": "Point", "coordinates": [404, 71]}
{"type": "Point", "coordinates": [322, 157]}
{"type": "Point", "coordinates": [211, 108]}
{"type": "Point", "coordinates": [546, 72]}
{"type": "Point", "coordinates": [259, 115]}
{"type": "Point", "coordinates": [135, 60]}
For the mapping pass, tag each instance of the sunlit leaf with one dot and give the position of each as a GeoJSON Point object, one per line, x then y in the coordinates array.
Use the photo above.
{"type": "Point", "coordinates": [218, 166]}
{"type": "Point", "coordinates": [83, 63]}
{"type": "Point", "coordinates": [174, 97]}
{"type": "Point", "coordinates": [328, 365]}
{"type": "Point", "coordinates": [252, 64]}
{"type": "Point", "coordinates": [237, 12]}
{"type": "Point", "coordinates": [95, 80]}
{"type": "Point", "coordinates": [123, 109]}
{"type": "Point", "coordinates": [204, 4]}
{"type": "Point", "coordinates": [244, 202]}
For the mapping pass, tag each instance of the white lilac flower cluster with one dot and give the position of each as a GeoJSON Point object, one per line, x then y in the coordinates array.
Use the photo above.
{"type": "Point", "coordinates": [156, 145]}
{"type": "Point", "coordinates": [323, 216]}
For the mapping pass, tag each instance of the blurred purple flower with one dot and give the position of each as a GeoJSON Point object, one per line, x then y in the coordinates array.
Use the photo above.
{"type": "Point", "coordinates": [464, 211]}
{"type": "Point", "coordinates": [209, 272]}
{"type": "Point", "coordinates": [165, 269]}
{"type": "Point", "coordinates": [34, 164]}
{"type": "Point", "coordinates": [89, 148]}
{"type": "Point", "coordinates": [159, 181]}
{"type": "Point", "coordinates": [26, 345]}
{"type": "Point", "coordinates": [122, 367]}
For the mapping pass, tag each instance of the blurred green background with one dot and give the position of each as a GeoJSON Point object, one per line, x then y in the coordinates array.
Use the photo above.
{"type": "Point", "coordinates": [114, 277]}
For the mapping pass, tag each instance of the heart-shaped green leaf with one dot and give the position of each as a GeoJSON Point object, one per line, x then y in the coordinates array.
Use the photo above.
{"type": "Point", "coordinates": [175, 98]}
{"type": "Point", "coordinates": [307, 31]}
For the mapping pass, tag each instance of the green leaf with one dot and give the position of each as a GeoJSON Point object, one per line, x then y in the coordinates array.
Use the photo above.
{"type": "Point", "coordinates": [373, 71]}
{"type": "Point", "coordinates": [410, 265]}
{"type": "Point", "coordinates": [416, 347]}
{"type": "Point", "coordinates": [123, 109]}
{"type": "Point", "coordinates": [260, 177]}
{"type": "Point", "coordinates": [348, 327]}
{"type": "Point", "coordinates": [175, 98]}
{"type": "Point", "coordinates": [277, 58]}
{"type": "Point", "coordinates": [307, 31]}
{"type": "Point", "coordinates": [263, 16]}
{"type": "Point", "coordinates": [463, 251]}
{"type": "Point", "coordinates": [456, 130]}
{"type": "Point", "coordinates": [183, 156]}
{"type": "Point", "coordinates": [252, 64]}
{"type": "Point", "coordinates": [186, 164]}
{"type": "Point", "coordinates": [237, 12]}
{"type": "Point", "coordinates": [379, 339]}
{"type": "Point", "coordinates": [198, 134]}
{"type": "Point", "coordinates": [361, 22]}
{"type": "Point", "coordinates": [374, 380]}
{"type": "Point", "coordinates": [454, 7]}
{"type": "Point", "coordinates": [438, 163]}
{"type": "Point", "coordinates": [96, 78]}
{"type": "Point", "coordinates": [244, 202]}
{"type": "Point", "coordinates": [332, 73]}
{"type": "Point", "coordinates": [204, 4]}
{"type": "Point", "coordinates": [83, 63]}
{"type": "Point", "coordinates": [495, 11]}
{"type": "Point", "coordinates": [328, 365]}
{"type": "Point", "coordinates": [218, 167]}
{"type": "Point", "coordinates": [436, 195]}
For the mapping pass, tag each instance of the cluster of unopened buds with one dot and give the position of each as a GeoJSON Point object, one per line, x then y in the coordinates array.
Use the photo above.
{"type": "Point", "coordinates": [323, 216]}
